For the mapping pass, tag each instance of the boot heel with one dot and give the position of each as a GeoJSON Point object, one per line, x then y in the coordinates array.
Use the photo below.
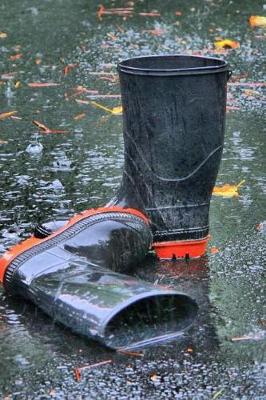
{"type": "Point", "coordinates": [181, 249]}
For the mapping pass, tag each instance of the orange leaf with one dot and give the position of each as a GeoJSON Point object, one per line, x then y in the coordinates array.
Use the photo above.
{"type": "Point", "coordinates": [79, 116]}
{"type": "Point", "coordinates": [7, 114]}
{"type": "Point", "coordinates": [214, 250]}
{"type": "Point", "coordinates": [226, 44]}
{"type": "Point", "coordinates": [257, 21]}
{"type": "Point", "coordinates": [42, 84]}
{"type": "Point", "coordinates": [77, 374]}
{"type": "Point", "coordinates": [15, 57]}
{"type": "Point", "coordinates": [227, 190]}
{"type": "Point", "coordinates": [45, 129]}
{"type": "Point", "coordinates": [69, 68]}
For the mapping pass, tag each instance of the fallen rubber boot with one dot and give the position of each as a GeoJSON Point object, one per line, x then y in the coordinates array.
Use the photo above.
{"type": "Point", "coordinates": [173, 125]}
{"type": "Point", "coordinates": [70, 276]}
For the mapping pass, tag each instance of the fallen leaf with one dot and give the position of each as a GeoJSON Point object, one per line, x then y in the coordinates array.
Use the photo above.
{"type": "Point", "coordinates": [77, 371]}
{"type": "Point", "coordinates": [114, 110]}
{"type": "Point", "coordinates": [261, 227]}
{"type": "Point", "coordinates": [117, 110]}
{"type": "Point", "coordinates": [189, 350]}
{"type": "Point", "coordinates": [150, 14]}
{"type": "Point", "coordinates": [3, 141]}
{"type": "Point", "coordinates": [77, 374]}
{"type": "Point", "coordinates": [69, 68]}
{"type": "Point", "coordinates": [227, 190]}
{"type": "Point", "coordinates": [130, 353]}
{"type": "Point", "coordinates": [217, 394]}
{"type": "Point", "coordinates": [38, 61]}
{"type": "Point", "coordinates": [45, 129]}
{"type": "Point", "coordinates": [257, 21]}
{"type": "Point", "coordinates": [42, 84]}
{"type": "Point", "coordinates": [79, 116]}
{"type": "Point", "coordinates": [15, 57]}
{"type": "Point", "coordinates": [17, 84]}
{"type": "Point", "coordinates": [7, 114]}
{"type": "Point", "coordinates": [156, 32]}
{"type": "Point", "coordinates": [226, 44]}
{"type": "Point", "coordinates": [214, 250]}
{"type": "Point", "coordinates": [154, 378]}
{"type": "Point", "coordinates": [3, 35]}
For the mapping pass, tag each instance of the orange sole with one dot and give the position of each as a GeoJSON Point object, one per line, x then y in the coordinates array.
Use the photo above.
{"type": "Point", "coordinates": [181, 249]}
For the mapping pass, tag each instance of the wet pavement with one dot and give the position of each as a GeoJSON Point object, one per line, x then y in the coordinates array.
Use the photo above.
{"type": "Point", "coordinates": [54, 175]}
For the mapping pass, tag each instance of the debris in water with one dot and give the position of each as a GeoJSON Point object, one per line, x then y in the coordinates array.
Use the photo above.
{"type": "Point", "coordinates": [3, 35]}
{"type": "Point", "coordinates": [43, 128]}
{"type": "Point", "coordinates": [79, 116]}
{"type": "Point", "coordinates": [3, 141]}
{"type": "Point", "coordinates": [130, 353]}
{"type": "Point", "coordinates": [69, 68]}
{"type": "Point", "coordinates": [15, 57]}
{"type": "Point", "coordinates": [77, 371]}
{"type": "Point", "coordinates": [261, 227]}
{"type": "Point", "coordinates": [226, 44]}
{"type": "Point", "coordinates": [154, 13]}
{"type": "Point", "coordinates": [214, 250]}
{"type": "Point", "coordinates": [217, 394]}
{"type": "Point", "coordinates": [257, 21]}
{"type": "Point", "coordinates": [115, 110]}
{"type": "Point", "coordinates": [8, 114]}
{"type": "Point", "coordinates": [227, 190]}
{"type": "Point", "coordinates": [42, 84]}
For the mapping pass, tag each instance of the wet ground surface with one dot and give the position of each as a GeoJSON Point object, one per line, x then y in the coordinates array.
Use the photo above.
{"type": "Point", "coordinates": [46, 176]}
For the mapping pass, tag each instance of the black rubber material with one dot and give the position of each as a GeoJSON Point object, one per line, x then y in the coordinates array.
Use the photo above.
{"type": "Point", "coordinates": [71, 277]}
{"type": "Point", "coordinates": [173, 125]}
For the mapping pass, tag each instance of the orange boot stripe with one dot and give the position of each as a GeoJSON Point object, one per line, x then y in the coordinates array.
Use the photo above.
{"type": "Point", "coordinates": [21, 247]}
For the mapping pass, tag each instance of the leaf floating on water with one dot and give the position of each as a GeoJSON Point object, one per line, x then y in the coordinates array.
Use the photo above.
{"type": "Point", "coordinates": [226, 44]}
{"type": "Point", "coordinates": [117, 110]}
{"type": "Point", "coordinates": [214, 250]}
{"type": "Point", "coordinates": [217, 394]}
{"type": "Point", "coordinates": [227, 190]}
{"type": "Point", "coordinates": [3, 35]}
{"type": "Point", "coordinates": [79, 116]}
{"type": "Point", "coordinates": [114, 110]}
{"type": "Point", "coordinates": [261, 227]}
{"type": "Point", "coordinates": [3, 141]}
{"type": "Point", "coordinates": [15, 57]}
{"type": "Point", "coordinates": [69, 68]}
{"type": "Point", "coordinates": [77, 371]}
{"type": "Point", "coordinates": [130, 353]}
{"type": "Point", "coordinates": [7, 115]}
{"type": "Point", "coordinates": [43, 128]}
{"type": "Point", "coordinates": [42, 84]}
{"type": "Point", "coordinates": [257, 21]}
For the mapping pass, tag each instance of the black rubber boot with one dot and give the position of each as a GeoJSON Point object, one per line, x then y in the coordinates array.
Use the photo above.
{"type": "Point", "coordinates": [173, 124]}
{"type": "Point", "coordinates": [70, 276]}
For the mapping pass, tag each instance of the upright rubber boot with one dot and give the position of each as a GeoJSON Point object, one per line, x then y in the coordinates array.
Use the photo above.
{"type": "Point", "coordinates": [70, 276]}
{"type": "Point", "coordinates": [173, 124]}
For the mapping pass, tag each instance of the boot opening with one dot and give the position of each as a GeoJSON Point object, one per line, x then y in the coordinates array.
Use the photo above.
{"type": "Point", "coordinates": [171, 63]}
{"type": "Point", "coordinates": [154, 319]}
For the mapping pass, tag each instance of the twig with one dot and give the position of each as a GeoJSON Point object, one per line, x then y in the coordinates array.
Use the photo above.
{"type": "Point", "coordinates": [77, 371]}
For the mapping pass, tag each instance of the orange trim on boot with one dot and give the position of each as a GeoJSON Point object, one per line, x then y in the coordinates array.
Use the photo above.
{"type": "Point", "coordinates": [27, 244]}
{"type": "Point", "coordinates": [181, 249]}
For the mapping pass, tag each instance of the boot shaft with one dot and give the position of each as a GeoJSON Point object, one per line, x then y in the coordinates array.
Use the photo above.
{"type": "Point", "coordinates": [174, 122]}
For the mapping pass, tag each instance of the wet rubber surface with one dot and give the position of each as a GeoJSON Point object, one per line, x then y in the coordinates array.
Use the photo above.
{"type": "Point", "coordinates": [46, 176]}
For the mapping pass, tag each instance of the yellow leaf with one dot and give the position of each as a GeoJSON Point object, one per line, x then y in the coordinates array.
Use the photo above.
{"type": "Point", "coordinates": [256, 20]}
{"type": "Point", "coordinates": [227, 190]}
{"type": "Point", "coordinates": [7, 114]}
{"type": "Point", "coordinates": [226, 44]}
{"type": "Point", "coordinates": [117, 110]}
{"type": "Point", "coordinates": [3, 35]}
{"type": "Point", "coordinates": [114, 111]}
